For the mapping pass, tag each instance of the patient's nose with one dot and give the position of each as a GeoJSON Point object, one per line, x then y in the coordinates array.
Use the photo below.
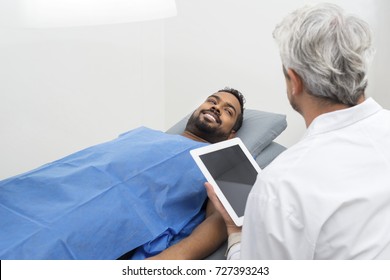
{"type": "Point", "coordinates": [215, 108]}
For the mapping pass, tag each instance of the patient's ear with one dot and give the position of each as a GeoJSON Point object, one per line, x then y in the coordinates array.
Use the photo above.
{"type": "Point", "coordinates": [233, 134]}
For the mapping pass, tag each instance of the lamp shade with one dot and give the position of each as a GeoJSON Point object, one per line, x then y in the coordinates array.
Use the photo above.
{"type": "Point", "coordinates": [67, 13]}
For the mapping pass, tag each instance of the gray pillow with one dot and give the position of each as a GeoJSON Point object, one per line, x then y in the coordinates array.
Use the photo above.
{"type": "Point", "coordinates": [269, 154]}
{"type": "Point", "coordinates": [258, 130]}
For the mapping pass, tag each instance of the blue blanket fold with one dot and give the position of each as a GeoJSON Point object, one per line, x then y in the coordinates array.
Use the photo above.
{"type": "Point", "coordinates": [139, 190]}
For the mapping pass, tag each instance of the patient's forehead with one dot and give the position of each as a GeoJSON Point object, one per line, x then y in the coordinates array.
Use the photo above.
{"type": "Point", "coordinates": [229, 98]}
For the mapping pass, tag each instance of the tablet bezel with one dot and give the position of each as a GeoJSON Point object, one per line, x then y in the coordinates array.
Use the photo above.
{"type": "Point", "coordinates": [196, 153]}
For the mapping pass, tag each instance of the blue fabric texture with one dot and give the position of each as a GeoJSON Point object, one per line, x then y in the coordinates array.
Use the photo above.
{"type": "Point", "coordinates": [141, 190]}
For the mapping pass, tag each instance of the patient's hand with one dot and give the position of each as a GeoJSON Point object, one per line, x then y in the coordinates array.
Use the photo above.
{"type": "Point", "coordinates": [230, 225]}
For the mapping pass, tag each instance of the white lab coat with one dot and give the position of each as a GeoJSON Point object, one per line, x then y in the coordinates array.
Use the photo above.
{"type": "Point", "coordinates": [328, 196]}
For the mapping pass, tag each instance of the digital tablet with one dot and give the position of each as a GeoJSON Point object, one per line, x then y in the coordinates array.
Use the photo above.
{"type": "Point", "coordinates": [231, 170]}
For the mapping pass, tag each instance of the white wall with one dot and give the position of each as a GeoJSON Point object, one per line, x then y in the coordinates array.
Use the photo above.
{"type": "Point", "coordinates": [378, 81]}
{"type": "Point", "coordinates": [215, 43]}
{"type": "Point", "coordinates": [65, 89]}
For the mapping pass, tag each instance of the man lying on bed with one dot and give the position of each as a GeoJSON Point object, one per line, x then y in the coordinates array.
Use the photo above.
{"type": "Point", "coordinates": [140, 193]}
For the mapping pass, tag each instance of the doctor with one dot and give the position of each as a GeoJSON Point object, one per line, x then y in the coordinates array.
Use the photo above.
{"type": "Point", "coordinates": [328, 196]}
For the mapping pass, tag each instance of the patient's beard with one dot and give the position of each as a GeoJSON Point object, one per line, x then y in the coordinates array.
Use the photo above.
{"type": "Point", "coordinates": [205, 131]}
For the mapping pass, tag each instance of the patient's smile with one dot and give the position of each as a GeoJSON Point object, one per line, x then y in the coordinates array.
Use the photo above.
{"type": "Point", "coordinates": [212, 117]}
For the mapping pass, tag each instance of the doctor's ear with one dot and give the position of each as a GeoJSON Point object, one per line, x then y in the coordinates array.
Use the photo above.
{"type": "Point", "coordinates": [296, 81]}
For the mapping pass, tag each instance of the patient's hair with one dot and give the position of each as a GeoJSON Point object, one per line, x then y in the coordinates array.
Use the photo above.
{"type": "Point", "coordinates": [241, 99]}
{"type": "Point", "coordinates": [328, 49]}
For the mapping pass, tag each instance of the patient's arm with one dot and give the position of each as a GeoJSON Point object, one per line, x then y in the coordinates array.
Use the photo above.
{"type": "Point", "coordinates": [203, 241]}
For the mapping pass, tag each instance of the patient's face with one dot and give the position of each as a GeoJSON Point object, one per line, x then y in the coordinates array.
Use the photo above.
{"type": "Point", "coordinates": [214, 119]}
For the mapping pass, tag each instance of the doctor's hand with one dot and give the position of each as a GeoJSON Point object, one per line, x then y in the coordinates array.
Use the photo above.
{"type": "Point", "coordinates": [230, 225]}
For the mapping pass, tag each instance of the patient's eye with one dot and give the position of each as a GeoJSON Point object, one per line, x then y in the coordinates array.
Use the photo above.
{"type": "Point", "coordinates": [229, 111]}
{"type": "Point", "coordinates": [212, 101]}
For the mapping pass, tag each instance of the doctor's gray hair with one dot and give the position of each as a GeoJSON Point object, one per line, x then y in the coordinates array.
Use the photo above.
{"type": "Point", "coordinates": [328, 49]}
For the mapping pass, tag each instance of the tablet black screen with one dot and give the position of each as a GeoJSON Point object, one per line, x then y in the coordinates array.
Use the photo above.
{"type": "Point", "coordinates": [234, 174]}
